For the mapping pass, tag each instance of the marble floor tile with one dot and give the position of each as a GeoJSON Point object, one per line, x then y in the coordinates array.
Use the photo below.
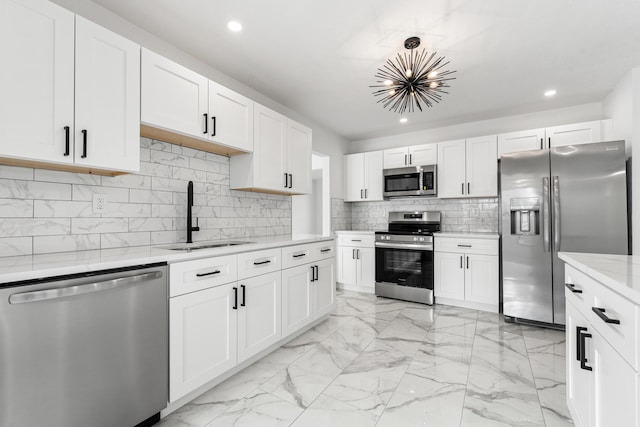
{"type": "Point", "coordinates": [382, 362]}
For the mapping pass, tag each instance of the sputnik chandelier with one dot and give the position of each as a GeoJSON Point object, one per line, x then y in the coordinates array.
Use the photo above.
{"type": "Point", "coordinates": [413, 80]}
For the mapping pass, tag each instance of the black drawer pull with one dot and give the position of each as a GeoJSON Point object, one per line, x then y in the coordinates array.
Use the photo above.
{"type": "Point", "coordinates": [262, 262]}
{"type": "Point", "coordinates": [84, 143]}
{"type": "Point", "coordinates": [66, 141]}
{"type": "Point", "coordinates": [465, 246]}
{"type": "Point", "coordinates": [600, 312]}
{"type": "Point", "coordinates": [579, 330]}
{"type": "Point", "coordinates": [325, 250]}
{"type": "Point", "coordinates": [356, 240]}
{"type": "Point", "coordinates": [244, 296]}
{"type": "Point", "coordinates": [235, 298]}
{"type": "Point", "coordinates": [213, 119]}
{"type": "Point", "coordinates": [583, 356]}
{"type": "Point", "coordinates": [207, 274]}
{"type": "Point", "coordinates": [299, 255]}
{"type": "Point", "coordinates": [206, 123]}
{"type": "Point", "coordinates": [572, 288]}
{"type": "Point", "coordinates": [313, 273]}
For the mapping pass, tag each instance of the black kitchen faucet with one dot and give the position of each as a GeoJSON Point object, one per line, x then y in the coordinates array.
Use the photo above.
{"type": "Point", "coordinates": [190, 228]}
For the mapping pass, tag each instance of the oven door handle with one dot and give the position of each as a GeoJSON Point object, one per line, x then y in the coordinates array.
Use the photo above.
{"type": "Point", "coordinates": [404, 246]}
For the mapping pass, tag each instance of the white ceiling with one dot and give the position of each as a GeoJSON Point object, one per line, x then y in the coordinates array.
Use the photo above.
{"type": "Point", "coordinates": [320, 57]}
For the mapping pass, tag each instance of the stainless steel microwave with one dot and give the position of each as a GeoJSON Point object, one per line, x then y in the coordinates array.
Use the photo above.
{"type": "Point", "coordinates": [413, 181]}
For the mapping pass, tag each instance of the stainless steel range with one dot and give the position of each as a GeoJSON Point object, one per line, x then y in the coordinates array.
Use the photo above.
{"type": "Point", "coordinates": [404, 256]}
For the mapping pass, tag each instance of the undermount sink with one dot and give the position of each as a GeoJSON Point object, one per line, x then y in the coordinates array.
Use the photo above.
{"type": "Point", "coordinates": [188, 247]}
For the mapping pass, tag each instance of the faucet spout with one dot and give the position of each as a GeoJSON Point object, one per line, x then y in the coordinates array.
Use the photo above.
{"type": "Point", "coordinates": [190, 227]}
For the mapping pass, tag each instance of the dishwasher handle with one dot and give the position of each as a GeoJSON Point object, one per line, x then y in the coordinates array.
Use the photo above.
{"type": "Point", "coordinates": [55, 293]}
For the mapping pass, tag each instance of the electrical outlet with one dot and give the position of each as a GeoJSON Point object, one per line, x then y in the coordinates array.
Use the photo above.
{"type": "Point", "coordinates": [99, 203]}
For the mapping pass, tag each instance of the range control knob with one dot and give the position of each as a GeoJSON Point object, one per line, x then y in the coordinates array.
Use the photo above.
{"type": "Point", "coordinates": [422, 239]}
{"type": "Point", "coordinates": [415, 239]}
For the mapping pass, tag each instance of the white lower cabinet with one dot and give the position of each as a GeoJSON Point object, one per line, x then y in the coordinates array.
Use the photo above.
{"type": "Point", "coordinates": [603, 387]}
{"type": "Point", "coordinates": [259, 319]}
{"type": "Point", "coordinates": [466, 272]}
{"type": "Point", "coordinates": [356, 268]}
{"type": "Point", "coordinates": [223, 311]}
{"type": "Point", "coordinates": [202, 338]}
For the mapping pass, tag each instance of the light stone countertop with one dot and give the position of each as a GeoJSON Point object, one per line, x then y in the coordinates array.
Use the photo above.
{"type": "Point", "coordinates": [30, 267]}
{"type": "Point", "coordinates": [476, 235]}
{"type": "Point", "coordinates": [362, 232]}
{"type": "Point", "coordinates": [620, 273]}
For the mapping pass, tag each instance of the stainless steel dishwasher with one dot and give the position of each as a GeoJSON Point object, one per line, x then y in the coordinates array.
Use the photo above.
{"type": "Point", "coordinates": [85, 350]}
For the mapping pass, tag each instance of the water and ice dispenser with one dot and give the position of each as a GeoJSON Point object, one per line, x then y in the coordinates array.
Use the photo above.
{"type": "Point", "coordinates": [525, 216]}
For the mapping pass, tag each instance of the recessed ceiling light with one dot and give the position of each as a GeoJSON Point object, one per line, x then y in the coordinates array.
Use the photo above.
{"type": "Point", "coordinates": [404, 120]}
{"type": "Point", "coordinates": [234, 26]}
{"type": "Point", "coordinates": [550, 92]}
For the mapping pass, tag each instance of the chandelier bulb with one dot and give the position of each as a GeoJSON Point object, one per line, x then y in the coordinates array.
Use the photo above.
{"type": "Point", "coordinates": [409, 73]}
{"type": "Point", "coordinates": [432, 75]}
{"type": "Point", "coordinates": [388, 82]}
{"type": "Point", "coordinates": [433, 85]}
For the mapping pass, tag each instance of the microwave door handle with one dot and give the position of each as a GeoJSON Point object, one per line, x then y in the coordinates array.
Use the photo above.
{"type": "Point", "coordinates": [556, 214]}
{"type": "Point", "coordinates": [546, 227]}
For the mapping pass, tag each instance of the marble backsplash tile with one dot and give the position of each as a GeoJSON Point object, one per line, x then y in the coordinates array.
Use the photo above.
{"type": "Point", "coordinates": [45, 211]}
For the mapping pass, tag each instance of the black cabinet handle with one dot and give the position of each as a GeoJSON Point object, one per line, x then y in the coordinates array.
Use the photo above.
{"type": "Point", "coordinates": [366, 193]}
{"type": "Point", "coordinates": [460, 261]}
{"type": "Point", "coordinates": [362, 194]}
{"type": "Point", "coordinates": [583, 356]}
{"type": "Point", "coordinates": [317, 274]}
{"type": "Point", "coordinates": [410, 161]}
{"type": "Point", "coordinates": [66, 140]}
{"type": "Point", "coordinates": [206, 123]}
{"type": "Point", "coordinates": [286, 180]}
{"type": "Point", "coordinates": [572, 288]}
{"type": "Point", "coordinates": [262, 262]}
{"type": "Point", "coordinates": [405, 160]}
{"type": "Point", "coordinates": [325, 250]}
{"type": "Point", "coordinates": [290, 181]}
{"type": "Point", "coordinates": [353, 254]}
{"type": "Point", "coordinates": [464, 246]}
{"type": "Point", "coordinates": [600, 312]}
{"type": "Point", "coordinates": [84, 144]}
{"type": "Point", "coordinates": [207, 274]}
{"type": "Point", "coordinates": [213, 120]}
{"type": "Point", "coordinates": [299, 255]}
{"type": "Point", "coordinates": [541, 143]}
{"type": "Point", "coordinates": [579, 330]}
{"type": "Point", "coordinates": [463, 188]}
{"type": "Point", "coordinates": [235, 298]}
{"type": "Point", "coordinates": [467, 263]}
{"type": "Point", "coordinates": [244, 295]}
{"type": "Point", "coordinates": [549, 142]}
{"type": "Point", "coordinates": [313, 273]}
{"type": "Point", "coordinates": [468, 188]}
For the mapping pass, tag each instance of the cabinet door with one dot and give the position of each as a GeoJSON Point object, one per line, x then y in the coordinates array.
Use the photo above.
{"type": "Point", "coordinates": [230, 118]}
{"type": "Point", "coordinates": [574, 134]}
{"type": "Point", "coordinates": [451, 169]}
{"type": "Point", "coordinates": [347, 264]}
{"type": "Point", "coordinates": [354, 177]}
{"type": "Point", "coordinates": [299, 157]}
{"type": "Point", "coordinates": [448, 278]}
{"type": "Point", "coordinates": [324, 287]}
{"type": "Point", "coordinates": [173, 97]}
{"type": "Point", "coordinates": [525, 140]}
{"type": "Point", "coordinates": [395, 158]}
{"type": "Point", "coordinates": [481, 279]}
{"type": "Point", "coordinates": [36, 80]}
{"type": "Point", "coordinates": [269, 144]}
{"type": "Point", "coordinates": [107, 133]}
{"type": "Point", "coordinates": [259, 314]}
{"type": "Point", "coordinates": [373, 176]}
{"type": "Point", "coordinates": [615, 386]}
{"type": "Point", "coordinates": [366, 274]}
{"type": "Point", "coordinates": [296, 298]}
{"type": "Point", "coordinates": [203, 335]}
{"type": "Point", "coordinates": [482, 167]}
{"type": "Point", "coordinates": [579, 381]}
{"type": "Point", "coordinates": [425, 154]}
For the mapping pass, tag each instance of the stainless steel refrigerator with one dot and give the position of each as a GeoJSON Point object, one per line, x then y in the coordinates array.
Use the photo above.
{"type": "Point", "coordinates": [571, 199]}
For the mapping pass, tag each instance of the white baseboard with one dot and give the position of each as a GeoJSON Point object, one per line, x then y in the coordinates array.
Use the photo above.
{"type": "Point", "coordinates": [349, 287]}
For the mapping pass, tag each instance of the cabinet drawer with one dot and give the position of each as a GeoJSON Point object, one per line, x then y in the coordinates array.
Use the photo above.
{"type": "Point", "coordinates": [323, 250]}
{"type": "Point", "coordinates": [584, 287]}
{"type": "Point", "coordinates": [357, 240]}
{"type": "Point", "coordinates": [259, 262]}
{"type": "Point", "coordinates": [293, 256]}
{"type": "Point", "coordinates": [467, 246]}
{"type": "Point", "coordinates": [191, 276]}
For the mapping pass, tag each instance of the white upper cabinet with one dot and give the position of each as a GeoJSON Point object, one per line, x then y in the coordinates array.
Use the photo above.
{"type": "Point", "coordinates": [451, 169]}
{"type": "Point", "coordinates": [524, 140]}
{"type": "Point", "coordinates": [107, 131]}
{"type": "Point", "coordinates": [173, 97]}
{"type": "Point", "coordinates": [181, 101]}
{"type": "Point", "coordinates": [416, 155]}
{"type": "Point", "coordinates": [36, 80]}
{"type": "Point", "coordinates": [482, 166]}
{"type": "Point", "coordinates": [298, 157]}
{"type": "Point", "coordinates": [574, 134]}
{"type": "Point", "coordinates": [231, 116]}
{"type": "Point", "coordinates": [468, 168]}
{"type": "Point", "coordinates": [363, 173]}
{"type": "Point", "coordinates": [70, 92]}
{"type": "Point", "coordinates": [281, 158]}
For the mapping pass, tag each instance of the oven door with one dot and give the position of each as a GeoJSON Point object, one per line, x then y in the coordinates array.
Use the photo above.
{"type": "Point", "coordinates": [405, 266]}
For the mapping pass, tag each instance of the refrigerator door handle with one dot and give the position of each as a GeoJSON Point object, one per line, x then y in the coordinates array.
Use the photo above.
{"type": "Point", "coordinates": [546, 227]}
{"type": "Point", "coordinates": [556, 213]}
